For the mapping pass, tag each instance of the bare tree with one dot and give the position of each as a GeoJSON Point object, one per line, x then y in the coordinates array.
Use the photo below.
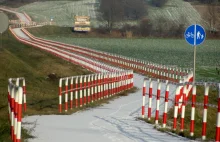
{"type": "Point", "coordinates": [134, 9]}
{"type": "Point", "coordinates": [112, 11]}
{"type": "Point", "coordinates": [212, 15]}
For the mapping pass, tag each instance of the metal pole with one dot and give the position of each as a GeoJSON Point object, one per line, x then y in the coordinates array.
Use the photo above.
{"type": "Point", "coordinates": [194, 61]}
{"type": "Point", "coordinates": [194, 65]}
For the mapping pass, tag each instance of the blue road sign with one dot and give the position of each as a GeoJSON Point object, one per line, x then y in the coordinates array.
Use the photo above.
{"type": "Point", "coordinates": [195, 35]}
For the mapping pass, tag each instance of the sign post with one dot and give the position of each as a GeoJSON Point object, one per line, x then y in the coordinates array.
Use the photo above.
{"type": "Point", "coordinates": [195, 35]}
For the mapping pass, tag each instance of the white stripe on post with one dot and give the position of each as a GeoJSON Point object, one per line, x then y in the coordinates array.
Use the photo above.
{"type": "Point", "coordinates": [204, 124]}
{"type": "Point", "coordinates": [12, 111]}
{"type": "Point", "coordinates": [217, 133]}
{"type": "Point", "coordinates": [76, 92]}
{"type": "Point", "coordinates": [150, 99]}
{"type": "Point", "coordinates": [71, 93]}
{"type": "Point", "coordinates": [176, 107]}
{"type": "Point", "coordinates": [85, 87]}
{"type": "Point", "coordinates": [24, 92]}
{"type": "Point", "coordinates": [88, 95]}
{"type": "Point", "coordinates": [158, 101]}
{"type": "Point", "coordinates": [66, 94]}
{"type": "Point", "coordinates": [16, 112]}
{"type": "Point", "coordinates": [183, 108]}
{"type": "Point", "coordinates": [92, 87]}
{"type": "Point", "coordinates": [80, 93]}
{"type": "Point", "coordinates": [60, 95]}
{"type": "Point", "coordinates": [144, 94]}
{"type": "Point", "coordinates": [193, 111]}
{"type": "Point", "coordinates": [166, 104]}
{"type": "Point", "coordinates": [20, 95]}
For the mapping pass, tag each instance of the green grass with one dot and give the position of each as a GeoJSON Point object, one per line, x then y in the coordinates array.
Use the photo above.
{"type": "Point", "coordinates": [18, 60]}
{"type": "Point", "coordinates": [161, 51]}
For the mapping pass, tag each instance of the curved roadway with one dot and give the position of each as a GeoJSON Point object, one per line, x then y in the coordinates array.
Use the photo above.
{"type": "Point", "coordinates": [113, 122]}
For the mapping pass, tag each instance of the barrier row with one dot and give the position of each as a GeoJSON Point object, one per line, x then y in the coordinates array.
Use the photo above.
{"type": "Point", "coordinates": [144, 67]}
{"type": "Point", "coordinates": [27, 16]}
{"type": "Point", "coordinates": [16, 93]}
{"type": "Point", "coordinates": [182, 92]}
{"type": "Point", "coordinates": [87, 63]}
{"type": "Point", "coordinates": [86, 89]}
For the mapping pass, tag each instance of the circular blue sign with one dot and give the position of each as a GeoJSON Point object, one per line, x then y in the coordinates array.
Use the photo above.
{"type": "Point", "coordinates": [195, 35]}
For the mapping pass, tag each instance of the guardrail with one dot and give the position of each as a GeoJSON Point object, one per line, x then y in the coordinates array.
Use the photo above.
{"type": "Point", "coordinates": [15, 98]}
{"type": "Point", "coordinates": [86, 89]}
{"type": "Point", "coordinates": [90, 64]}
{"type": "Point", "coordinates": [154, 70]}
{"type": "Point", "coordinates": [182, 92]}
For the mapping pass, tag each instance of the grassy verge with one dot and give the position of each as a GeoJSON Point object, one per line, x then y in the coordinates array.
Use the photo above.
{"type": "Point", "coordinates": [211, 117]}
{"type": "Point", "coordinates": [18, 60]}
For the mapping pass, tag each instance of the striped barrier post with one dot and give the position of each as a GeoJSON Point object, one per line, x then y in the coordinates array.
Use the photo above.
{"type": "Point", "coordinates": [16, 111]}
{"type": "Point", "coordinates": [150, 98]}
{"type": "Point", "coordinates": [110, 84]}
{"type": "Point", "coordinates": [71, 93]}
{"type": "Point", "coordinates": [15, 100]}
{"type": "Point", "coordinates": [166, 104]}
{"type": "Point", "coordinates": [183, 108]}
{"type": "Point", "coordinates": [66, 94]}
{"type": "Point", "coordinates": [192, 122]}
{"type": "Point", "coordinates": [24, 94]}
{"type": "Point", "coordinates": [19, 115]}
{"type": "Point", "coordinates": [144, 94]}
{"type": "Point", "coordinates": [12, 112]}
{"type": "Point", "coordinates": [176, 108]}
{"type": "Point", "coordinates": [76, 92]}
{"type": "Point", "coordinates": [89, 90]}
{"type": "Point", "coordinates": [92, 88]}
{"type": "Point", "coordinates": [80, 93]}
{"type": "Point", "coordinates": [158, 101]}
{"type": "Point", "coordinates": [217, 133]}
{"type": "Point", "coordinates": [84, 90]}
{"type": "Point", "coordinates": [204, 124]}
{"type": "Point", "coordinates": [99, 86]}
{"type": "Point", "coordinates": [96, 87]}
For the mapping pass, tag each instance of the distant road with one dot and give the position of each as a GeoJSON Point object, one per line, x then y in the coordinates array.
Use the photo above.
{"type": "Point", "coordinates": [21, 16]}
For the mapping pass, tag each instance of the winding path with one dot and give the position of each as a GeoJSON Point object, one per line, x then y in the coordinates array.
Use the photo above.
{"type": "Point", "coordinates": [113, 122]}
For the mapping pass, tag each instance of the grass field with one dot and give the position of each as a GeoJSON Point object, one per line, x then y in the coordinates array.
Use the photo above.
{"type": "Point", "coordinates": [162, 51]}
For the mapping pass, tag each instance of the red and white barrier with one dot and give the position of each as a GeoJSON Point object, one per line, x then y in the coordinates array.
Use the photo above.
{"type": "Point", "coordinates": [92, 87]}
{"type": "Point", "coordinates": [166, 105]}
{"type": "Point", "coordinates": [140, 66]}
{"type": "Point", "coordinates": [192, 122]}
{"type": "Point", "coordinates": [158, 101]}
{"type": "Point", "coordinates": [15, 98]}
{"type": "Point", "coordinates": [217, 136]}
{"type": "Point", "coordinates": [184, 87]}
{"type": "Point", "coordinates": [204, 124]}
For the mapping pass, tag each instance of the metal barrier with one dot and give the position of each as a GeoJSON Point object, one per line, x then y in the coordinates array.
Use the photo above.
{"type": "Point", "coordinates": [154, 70]}
{"type": "Point", "coordinates": [182, 92]}
{"type": "Point", "coordinates": [86, 89]}
{"type": "Point", "coordinates": [15, 98]}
